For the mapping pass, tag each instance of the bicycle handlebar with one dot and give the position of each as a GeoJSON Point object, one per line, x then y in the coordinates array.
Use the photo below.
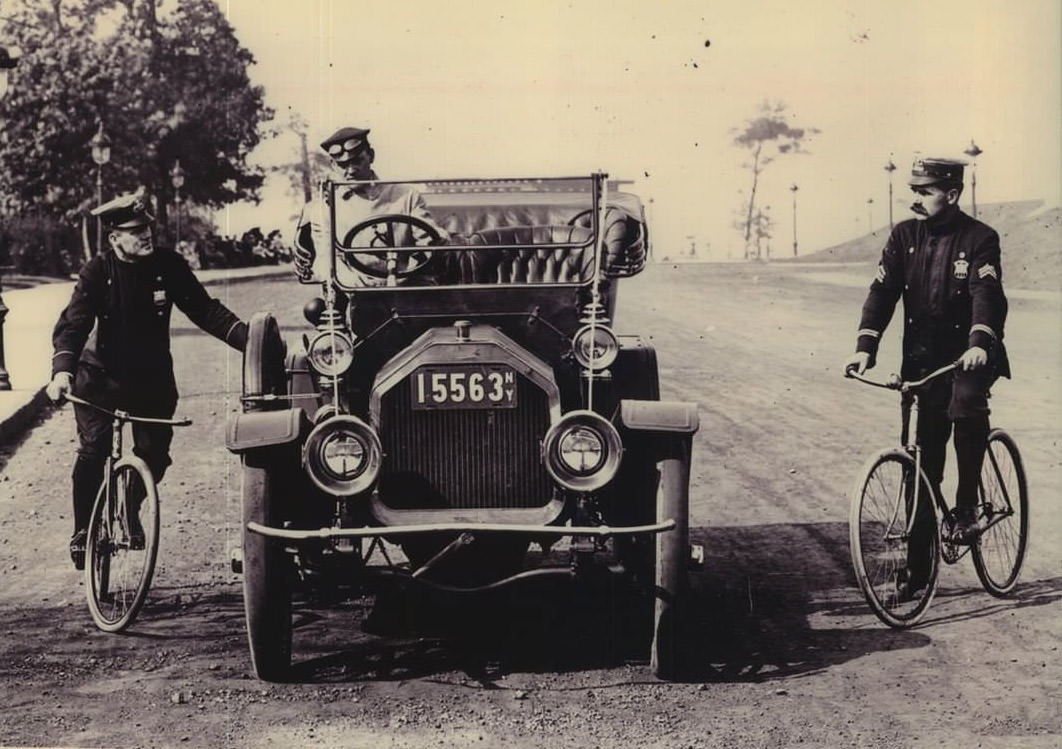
{"type": "Point", "coordinates": [126, 416]}
{"type": "Point", "coordinates": [895, 383]}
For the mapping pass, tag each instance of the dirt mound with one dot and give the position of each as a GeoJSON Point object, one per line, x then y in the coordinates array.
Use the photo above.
{"type": "Point", "coordinates": [1031, 236]}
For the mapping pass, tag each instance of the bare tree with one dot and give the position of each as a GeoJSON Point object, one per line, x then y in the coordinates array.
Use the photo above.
{"type": "Point", "coordinates": [303, 172]}
{"type": "Point", "coordinates": [766, 137]}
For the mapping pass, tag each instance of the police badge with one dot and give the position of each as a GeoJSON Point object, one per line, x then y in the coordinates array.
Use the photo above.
{"type": "Point", "coordinates": [962, 269]}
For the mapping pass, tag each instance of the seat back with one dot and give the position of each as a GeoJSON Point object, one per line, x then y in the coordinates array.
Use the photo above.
{"type": "Point", "coordinates": [564, 260]}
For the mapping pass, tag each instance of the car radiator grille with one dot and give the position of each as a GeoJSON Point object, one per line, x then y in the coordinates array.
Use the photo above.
{"type": "Point", "coordinates": [464, 459]}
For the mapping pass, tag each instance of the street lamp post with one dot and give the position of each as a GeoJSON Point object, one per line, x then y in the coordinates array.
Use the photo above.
{"type": "Point", "coordinates": [177, 175]}
{"type": "Point", "coordinates": [101, 154]}
{"type": "Point", "coordinates": [890, 168]}
{"type": "Point", "coordinates": [973, 151]}
{"type": "Point", "coordinates": [793, 189]}
{"type": "Point", "coordinates": [8, 61]}
{"type": "Point", "coordinates": [649, 244]}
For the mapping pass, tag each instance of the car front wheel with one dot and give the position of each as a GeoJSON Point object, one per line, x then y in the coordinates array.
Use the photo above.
{"type": "Point", "coordinates": [672, 552]}
{"type": "Point", "coordinates": [267, 571]}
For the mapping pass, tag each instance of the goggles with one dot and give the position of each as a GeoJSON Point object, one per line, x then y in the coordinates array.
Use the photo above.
{"type": "Point", "coordinates": [341, 152]}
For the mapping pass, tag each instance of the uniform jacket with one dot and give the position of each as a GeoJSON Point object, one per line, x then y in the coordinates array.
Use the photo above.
{"type": "Point", "coordinates": [951, 282]}
{"type": "Point", "coordinates": [129, 304]}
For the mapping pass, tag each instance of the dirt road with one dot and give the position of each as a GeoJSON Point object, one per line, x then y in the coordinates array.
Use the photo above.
{"type": "Point", "coordinates": [787, 654]}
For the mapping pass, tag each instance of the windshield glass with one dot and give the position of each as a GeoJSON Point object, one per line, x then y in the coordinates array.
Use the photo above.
{"type": "Point", "coordinates": [466, 232]}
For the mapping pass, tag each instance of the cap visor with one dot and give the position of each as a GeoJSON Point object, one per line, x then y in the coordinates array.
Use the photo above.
{"type": "Point", "coordinates": [134, 224]}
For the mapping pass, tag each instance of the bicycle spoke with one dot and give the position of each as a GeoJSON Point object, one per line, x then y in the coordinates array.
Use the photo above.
{"type": "Point", "coordinates": [882, 528]}
{"type": "Point", "coordinates": [122, 567]}
{"type": "Point", "coordinates": [1003, 512]}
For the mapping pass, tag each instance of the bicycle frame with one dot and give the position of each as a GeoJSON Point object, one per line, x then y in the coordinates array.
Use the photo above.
{"type": "Point", "coordinates": [909, 443]}
{"type": "Point", "coordinates": [114, 608]}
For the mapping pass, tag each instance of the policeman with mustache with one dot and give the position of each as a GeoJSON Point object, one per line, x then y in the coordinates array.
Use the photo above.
{"type": "Point", "coordinates": [112, 348]}
{"type": "Point", "coordinates": [945, 266]}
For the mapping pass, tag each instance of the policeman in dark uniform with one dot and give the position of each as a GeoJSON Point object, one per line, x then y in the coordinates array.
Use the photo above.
{"type": "Point", "coordinates": [112, 347]}
{"type": "Point", "coordinates": [945, 266]}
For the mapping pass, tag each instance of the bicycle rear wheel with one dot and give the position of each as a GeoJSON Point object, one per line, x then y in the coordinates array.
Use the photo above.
{"type": "Point", "coordinates": [1000, 551]}
{"type": "Point", "coordinates": [891, 552]}
{"type": "Point", "coordinates": [119, 568]}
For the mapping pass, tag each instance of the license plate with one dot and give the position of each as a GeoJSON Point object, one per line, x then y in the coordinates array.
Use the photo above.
{"type": "Point", "coordinates": [464, 386]}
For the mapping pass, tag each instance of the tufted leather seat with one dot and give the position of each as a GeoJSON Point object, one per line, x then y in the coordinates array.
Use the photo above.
{"type": "Point", "coordinates": [623, 242]}
{"type": "Point", "coordinates": [525, 263]}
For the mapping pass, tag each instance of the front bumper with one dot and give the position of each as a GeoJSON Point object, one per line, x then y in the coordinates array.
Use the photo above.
{"type": "Point", "coordinates": [599, 531]}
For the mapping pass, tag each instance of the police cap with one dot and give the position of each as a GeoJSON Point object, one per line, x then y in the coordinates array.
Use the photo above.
{"type": "Point", "coordinates": [344, 144]}
{"type": "Point", "coordinates": [926, 172]}
{"type": "Point", "coordinates": [126, 212]}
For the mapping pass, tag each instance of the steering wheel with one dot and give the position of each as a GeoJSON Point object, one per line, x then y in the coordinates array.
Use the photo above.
{"type": "Point", "coordinates": [380, 231]}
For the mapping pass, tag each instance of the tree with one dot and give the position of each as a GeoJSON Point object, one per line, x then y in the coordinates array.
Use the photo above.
{"type": "Point", "coordinates": [165, 86]}
{"type": "Point", "coordinates": [766, 137]}
{"type": "Point", "coordinates": [305, 172]}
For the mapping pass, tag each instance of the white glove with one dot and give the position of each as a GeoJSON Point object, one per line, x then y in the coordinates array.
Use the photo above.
{"type": "Point", "coordinates": [973, 358]}
{"type": "Point", "coordinates": [859, 362]}
{"type": "Point", "coordinates": [59, 386]}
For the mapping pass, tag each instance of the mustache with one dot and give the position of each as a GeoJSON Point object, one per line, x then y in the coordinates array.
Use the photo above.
{"type": "Point", "coordinates": [919, 209]}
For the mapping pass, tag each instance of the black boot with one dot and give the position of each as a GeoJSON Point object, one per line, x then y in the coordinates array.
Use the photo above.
{"type": "Point", "coordinates": [87, 475]}
{"type": "Point", "coordinates": [971, 439]}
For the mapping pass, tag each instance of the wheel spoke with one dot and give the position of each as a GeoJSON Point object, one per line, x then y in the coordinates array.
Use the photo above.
{"type": "Point", "coordinates": [1000, 550]}
{"type": "Point", "coordinates": [121, 570]}
{"type": "Point", "coordinates": [883, 525]}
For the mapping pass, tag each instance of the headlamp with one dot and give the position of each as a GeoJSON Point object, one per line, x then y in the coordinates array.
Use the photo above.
{"type": "Point", "coordinates": [582, 451]}
{"type": "Point", "coordinates": [342, 455]}
{"type": "Point", "coordinates": [331, 352]}
{"type": "Point", "coordinates": [595, 346]}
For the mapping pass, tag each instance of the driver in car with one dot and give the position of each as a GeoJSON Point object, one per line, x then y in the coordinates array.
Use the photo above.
{"type": "Point", "coordinates": [352, 156]}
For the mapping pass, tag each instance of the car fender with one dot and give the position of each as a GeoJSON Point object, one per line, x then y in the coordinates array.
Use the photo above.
{"type": "Point", "coordinates": [676, 417]}
{"type": "Point", "coordinates": [258, 429]}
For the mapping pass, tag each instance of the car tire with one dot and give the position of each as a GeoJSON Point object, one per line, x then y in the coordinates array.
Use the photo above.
{"type": "Point", "coordinates": [672, 551]}
{"type": "Point", "coordinates": [267, 571]}
{"type": "Point", "coordinates": [267, 568]}
{"type": "Point", "coordinates": [263, 363]}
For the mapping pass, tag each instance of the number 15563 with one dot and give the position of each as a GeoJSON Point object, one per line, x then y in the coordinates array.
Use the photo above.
{"type": "Point", "coordinates": [483, 386]}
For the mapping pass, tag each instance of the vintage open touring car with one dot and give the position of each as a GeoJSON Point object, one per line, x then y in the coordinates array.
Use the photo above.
{"type": "Point", "coordinates": [470, 403]}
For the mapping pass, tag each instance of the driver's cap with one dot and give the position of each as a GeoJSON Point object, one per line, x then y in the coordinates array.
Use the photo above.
{"type": "Point", "coordinates": [345, 143]}
{"type": "Point", "coordinates": [126, 212]}
{"type": "Point", "coordinates": [925, 172]}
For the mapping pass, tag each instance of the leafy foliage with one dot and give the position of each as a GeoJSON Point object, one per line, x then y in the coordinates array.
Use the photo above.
{"type": "Point", "coordinates": [165, 86]}
{"type": "Point", "coordinates": [765, 137]}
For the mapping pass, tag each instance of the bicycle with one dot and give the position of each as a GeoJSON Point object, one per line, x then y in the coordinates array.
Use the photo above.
{"type": "Point", "coordinates": [119, 565]}
{"type": "Point", "coordinates": [886, 503]}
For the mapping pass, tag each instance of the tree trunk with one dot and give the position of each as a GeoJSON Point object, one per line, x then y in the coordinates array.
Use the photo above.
{"type": "Point", "coordinates": [752, 195]}
{"type": "Point", "coordinates": [307, 186]}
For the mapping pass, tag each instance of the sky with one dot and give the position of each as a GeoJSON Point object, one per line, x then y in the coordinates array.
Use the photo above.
{"type": "Point", "coordinates": [655, 92]}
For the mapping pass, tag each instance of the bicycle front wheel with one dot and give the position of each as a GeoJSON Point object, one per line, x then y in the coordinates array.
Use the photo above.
{"type": "Point", "coordinates": [1004, 513]}
{"type": "Point", "coordinates": [123, 544]}
{"type": "Point", "coordinates": [893, 535]}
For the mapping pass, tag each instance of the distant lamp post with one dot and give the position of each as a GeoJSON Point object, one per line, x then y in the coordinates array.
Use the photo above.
{"type": "Point", "coordinates": [101, 154]}
{"type": "Point", "coordinates": [8, 61]}
{"type": "Point", "coordinates": [649, 244]}
{"type": "Point", "coordinates": [870, 215]}
{"type": "Point", "coordinates": [890, 168]}
{"type": "Point", "coordinates": [793, 189]}
{"type": "Point", "coordinates": [177, 176]}
{"type": "Point", "coordinates": [973, 151]}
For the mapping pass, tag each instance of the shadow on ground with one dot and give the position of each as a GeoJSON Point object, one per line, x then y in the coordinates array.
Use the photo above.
{"type": "Point", "coordinates": [761, 609]}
